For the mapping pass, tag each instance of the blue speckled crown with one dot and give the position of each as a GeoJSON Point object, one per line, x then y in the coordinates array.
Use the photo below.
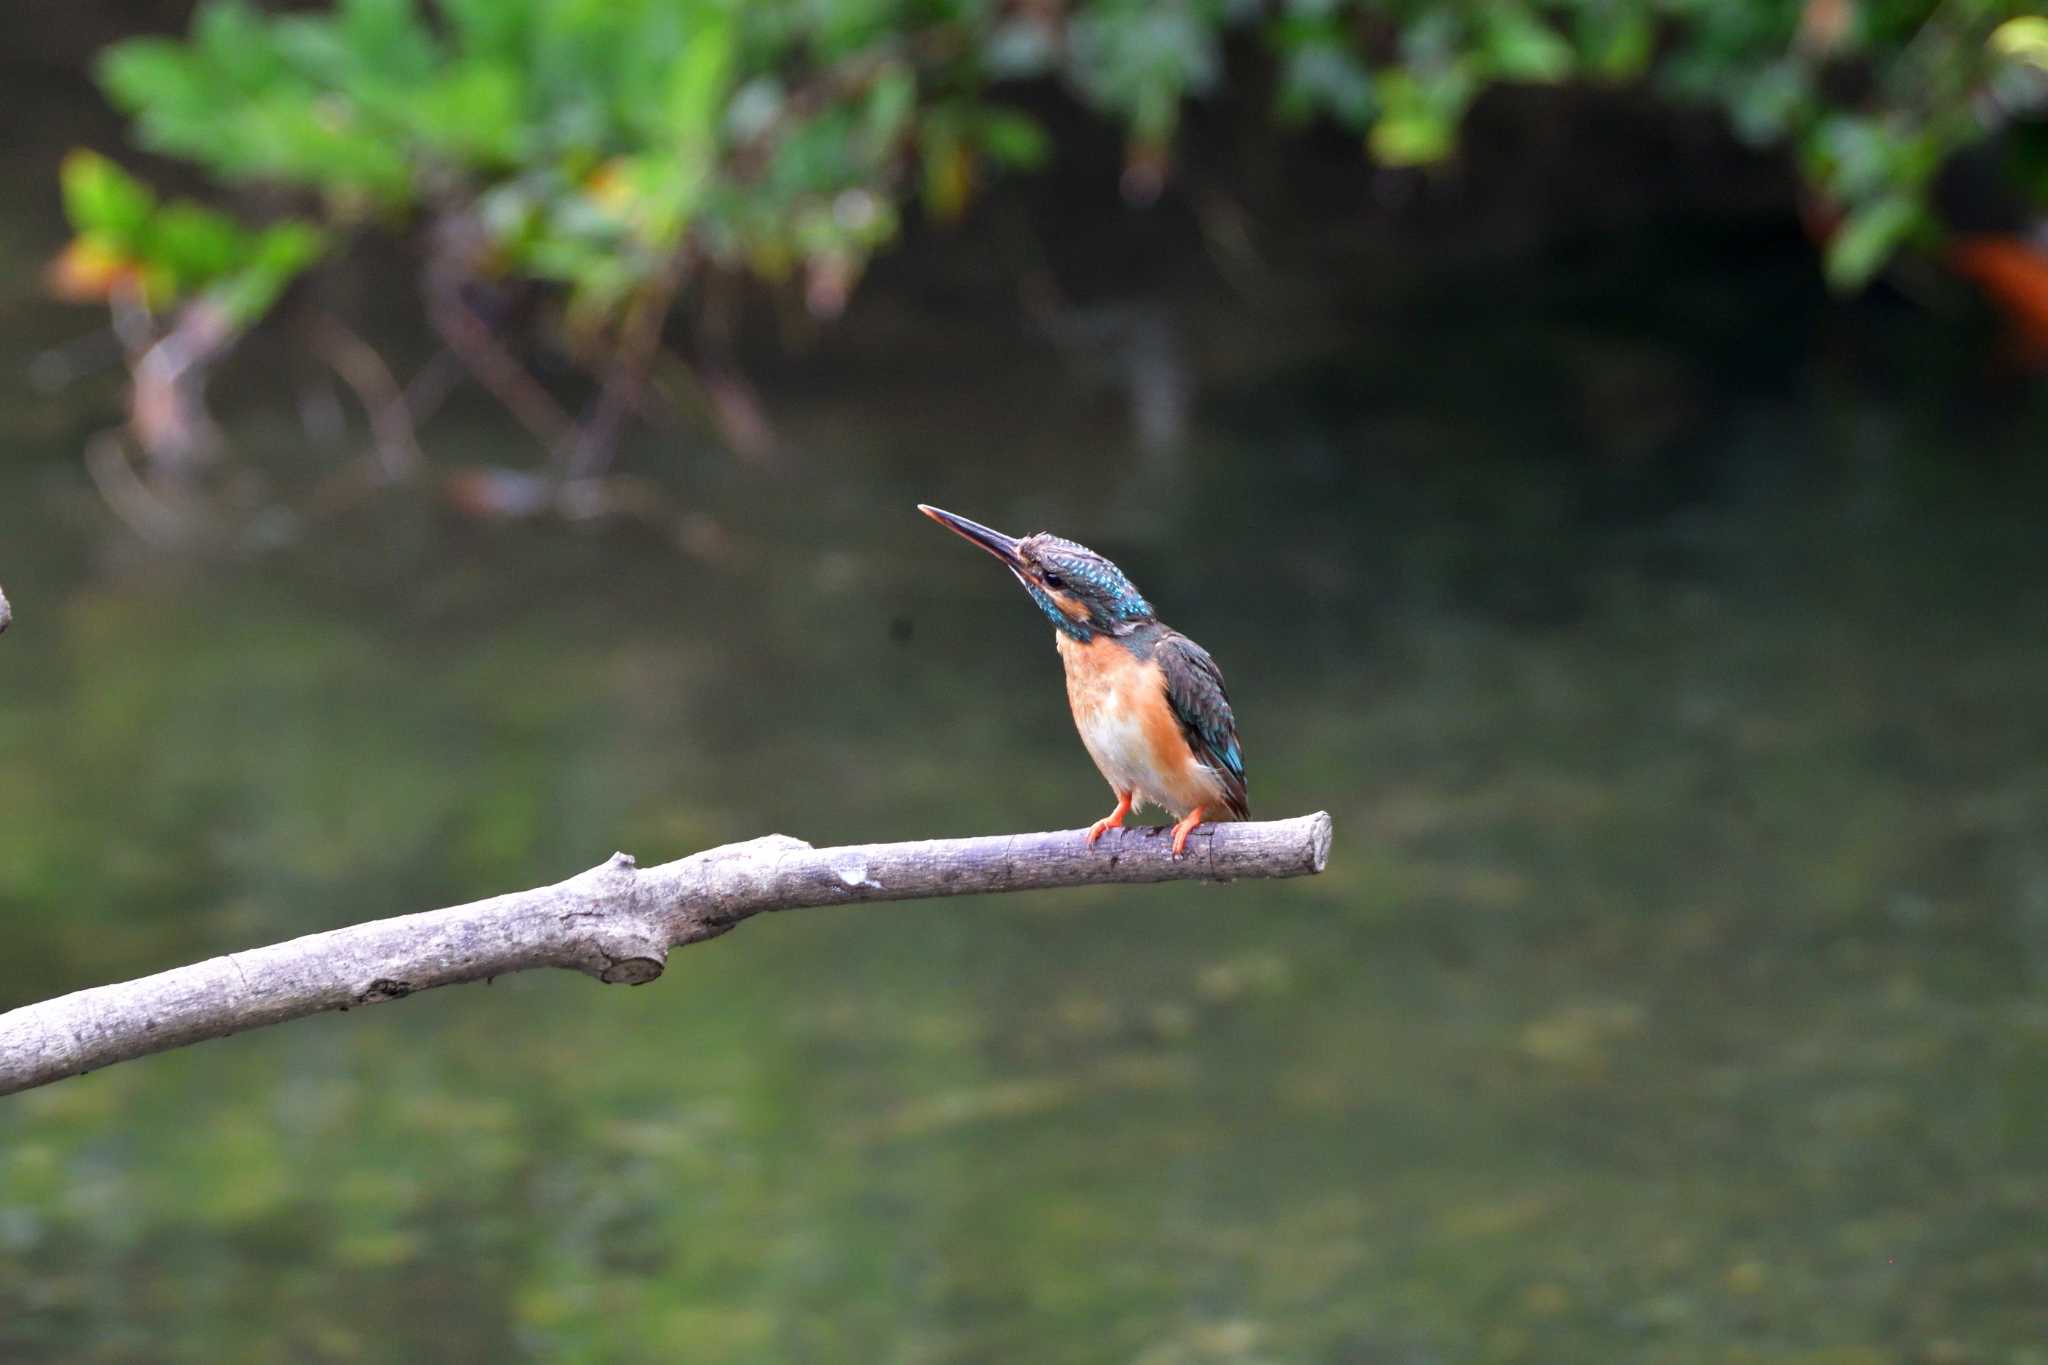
{"type": "Point", "coordinates": [1112, 599]}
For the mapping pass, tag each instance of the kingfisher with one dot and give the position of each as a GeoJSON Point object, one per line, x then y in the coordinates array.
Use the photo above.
{"type": "Point", "coordinates": [1148, 701]}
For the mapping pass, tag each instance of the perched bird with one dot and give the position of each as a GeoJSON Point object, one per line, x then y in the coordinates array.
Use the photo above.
{"type": "Point", "coordinates": [1148, 701]}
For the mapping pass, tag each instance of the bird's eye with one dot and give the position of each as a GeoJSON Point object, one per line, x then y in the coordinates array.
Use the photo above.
{"type": "Point", "coordinates": [1053, 580]}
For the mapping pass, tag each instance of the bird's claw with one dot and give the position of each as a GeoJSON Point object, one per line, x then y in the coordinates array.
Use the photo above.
{"type": "Point", "coordinates": [1113, 820]}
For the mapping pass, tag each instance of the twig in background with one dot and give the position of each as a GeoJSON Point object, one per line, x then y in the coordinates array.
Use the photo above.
{"type": "Point", "coordinates": [144, 509]}
{"type": "Point", "coordinates": [394, 445]}
{"type": "Point", "coordinates": [639, 338]}
{"type": "Point", "coordinates": [486, 358]}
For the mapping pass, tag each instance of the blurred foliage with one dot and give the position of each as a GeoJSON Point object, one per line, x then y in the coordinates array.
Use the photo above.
{"type": "Point", "coordinates": [168, 252]}
{"type": "Point", "coordinates": [591, 145]}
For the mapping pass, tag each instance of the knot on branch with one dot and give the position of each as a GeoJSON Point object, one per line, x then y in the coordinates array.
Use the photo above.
{"type": "Point", "coordinates": [616, 933]}
{"type": "Point", "coordinates": [632, 971]}
{"type": "Point", "coordinates": [383, 988]}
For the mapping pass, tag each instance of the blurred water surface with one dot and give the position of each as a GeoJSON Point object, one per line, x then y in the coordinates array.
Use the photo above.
{"type": "Point", "coordinates": [1667, 646]}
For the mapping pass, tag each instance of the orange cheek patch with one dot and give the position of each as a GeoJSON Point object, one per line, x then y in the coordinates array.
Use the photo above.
{"type": "Point", "coordinates": [1071, 607]}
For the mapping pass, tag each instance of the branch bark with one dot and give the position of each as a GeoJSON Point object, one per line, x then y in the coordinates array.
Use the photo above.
{"type": "Point", "coordinates": [616, 922]}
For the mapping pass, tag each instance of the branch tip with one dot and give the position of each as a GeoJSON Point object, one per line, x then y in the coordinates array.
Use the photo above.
{"type": "Point", "coordinates": [1321, 831]}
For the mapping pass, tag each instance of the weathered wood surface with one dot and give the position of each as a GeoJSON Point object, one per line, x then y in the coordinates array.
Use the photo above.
{"type": "Point", "coordinates": [616, 922]}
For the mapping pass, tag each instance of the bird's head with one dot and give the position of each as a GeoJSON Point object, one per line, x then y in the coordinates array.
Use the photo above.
{"type": "Point", "coordinates": [1079, 591]}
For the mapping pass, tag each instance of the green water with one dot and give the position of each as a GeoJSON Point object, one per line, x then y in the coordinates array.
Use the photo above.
{"type": "Point", "coordinates": [1674, 673]}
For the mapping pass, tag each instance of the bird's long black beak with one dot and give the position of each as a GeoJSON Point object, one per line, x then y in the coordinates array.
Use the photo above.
{"type": "Point", "coordinates": [995, 542]}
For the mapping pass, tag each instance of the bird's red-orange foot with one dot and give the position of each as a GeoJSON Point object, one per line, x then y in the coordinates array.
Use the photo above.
{"type": "Point", "coordinates": [1182, 830]}
{"type": "Point", "coordinates": [1113, 820]}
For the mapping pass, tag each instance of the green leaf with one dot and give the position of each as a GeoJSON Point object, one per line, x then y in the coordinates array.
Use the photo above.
{"type": "Point", "coordinates": [948, 169]}
{"type": "Point", "coordinates": [472, 114]}
{"type": "Point", "coordinates": [1418, 122]}
{"type": "Point", "coordinates": [1020, 48]}
{"type": "Point", "coordinates": [1141, 60]}
{"type": "Point", "coordinates": [493, 29]}
{"type": "Point", "coordinates": [1014, 138]}
{"type": "Point", "coordinates": [288, 248]}
{"type": "Point", "coordinates": [886, 114]}
{"type": "Point", "coordinates": [235, 46]}
{"type": "Point", "coordinates": [1520, 47]}
{"type": "Point", "coordinates": [281, 253]}
{"type": "Point", "coordinates": [697, 87]}
{"type": "Point", "coordinates": [667, 181]}
{"type": "Point", "coordinates": [1869, 236]}
{"type": "Point", "coordinates": [1856, 157]}
{"type": "Point", "coordinates": [1415, 138]}
{"type": "Point", "coordinates": [322, 145]}
{"type": "Point", "coordinates": [1320, 73]}
{"type": "Point", "coordinates": [145, 74]}
{"type": "Point", "coordinates": [317, 53]}
{"type": "Point", "coordinates": [386, 38]}
{"type": "Point", "coordinates": [2023, 40]}
{"type": "Point", "coordinates": [1767, 101]}
{"type": "Point", "coordinates": [103, 199]}
{"type": "Point", "coordinates": [1617, 40]}
{"type": "Point", "coordinates": [196, 245]}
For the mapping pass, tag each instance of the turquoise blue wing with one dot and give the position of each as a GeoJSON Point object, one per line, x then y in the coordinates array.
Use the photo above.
{"type": "Point", "coordinates": [1194, 689]}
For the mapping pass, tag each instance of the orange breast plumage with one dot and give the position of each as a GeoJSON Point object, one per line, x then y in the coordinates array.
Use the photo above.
{"type": "Point", "coordinates": [1129, 728]}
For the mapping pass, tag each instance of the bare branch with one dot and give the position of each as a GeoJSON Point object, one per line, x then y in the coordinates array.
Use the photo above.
{"type": "Point", "coordinates": [393, 441]}
{"type": "Point", "coordinates": [159, 514]}
{"type": "Point", "coordinates": [632, 357]}
{"type": "Point", "coordinates": [615, 922]}
{"type": "Point", "coordinates": [486, 358]}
